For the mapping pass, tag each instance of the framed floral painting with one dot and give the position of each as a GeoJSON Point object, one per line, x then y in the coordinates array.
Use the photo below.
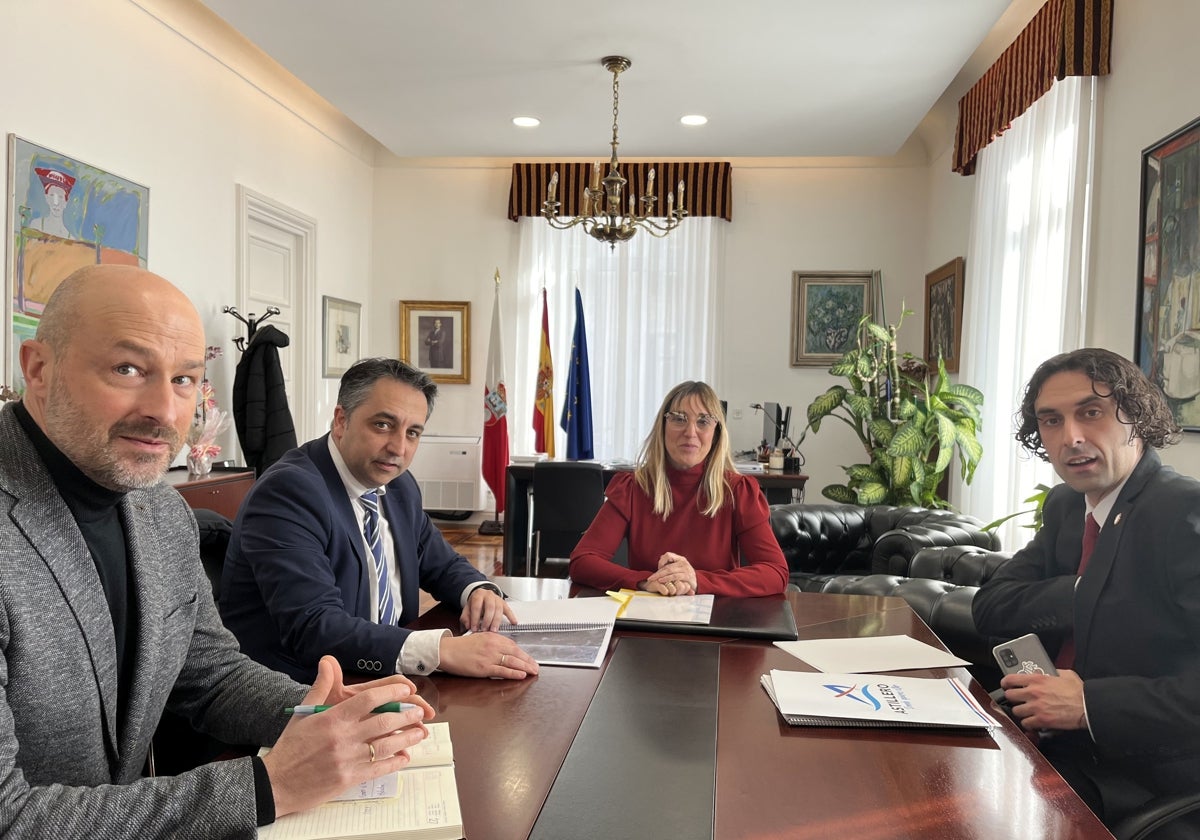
{"type": "Point", "coordinates": [826, 309]}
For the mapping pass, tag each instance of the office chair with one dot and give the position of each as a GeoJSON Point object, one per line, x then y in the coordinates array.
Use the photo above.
{"type": "Point", "coordinates": [566, 497]}
{"type": "Point", "coordinates": [1159, 813]}
{"type": "Point", "coordinates": [176, 746]}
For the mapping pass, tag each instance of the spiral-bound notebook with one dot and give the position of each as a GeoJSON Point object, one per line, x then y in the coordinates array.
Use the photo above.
{"type": "Point", "coordinates": [573, 632]}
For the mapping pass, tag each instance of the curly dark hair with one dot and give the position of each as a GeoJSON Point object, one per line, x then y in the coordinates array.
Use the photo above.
{"type": "Point", "coordinates": [1140, 403]}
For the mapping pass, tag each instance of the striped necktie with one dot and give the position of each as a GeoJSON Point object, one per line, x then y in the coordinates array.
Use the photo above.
{"type": "Point", "coordinates": [387, 608]}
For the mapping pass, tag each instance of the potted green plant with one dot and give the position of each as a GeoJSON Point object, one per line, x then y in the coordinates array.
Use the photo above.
{"type": "Point", "coordinates": [909, 426]}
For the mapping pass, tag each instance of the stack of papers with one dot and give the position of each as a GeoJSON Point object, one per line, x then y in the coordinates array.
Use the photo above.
{"type": "Point", "coordinates": [874, 700]}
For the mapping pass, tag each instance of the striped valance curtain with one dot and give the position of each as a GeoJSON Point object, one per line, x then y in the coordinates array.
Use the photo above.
{"type": "Point", "coordinates": [1065, 38]}
{"type": "Point", "coordinates": [707, 189]}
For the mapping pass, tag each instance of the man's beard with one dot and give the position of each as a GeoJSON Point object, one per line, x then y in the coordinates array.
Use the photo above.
{"type": "Point", "coordinates": [92, 449]}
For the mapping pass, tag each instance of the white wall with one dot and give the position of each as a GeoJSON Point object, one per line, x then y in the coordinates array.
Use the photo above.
{"type": "Point", "coordinates": [120, 90]}
{"type": "Point", "coordinates": [1150, 93]}
{"type": "Point", "coordinates": [131, 95]}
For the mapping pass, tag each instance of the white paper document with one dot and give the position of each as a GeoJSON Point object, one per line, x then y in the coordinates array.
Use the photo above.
{"type": "Point", "coordinates": [678, 609]}
{"type": "Point", "coordinates": [870, 654]}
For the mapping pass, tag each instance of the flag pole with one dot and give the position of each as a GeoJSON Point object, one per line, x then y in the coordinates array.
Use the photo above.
{"type": "Point", "coordinates": [494, 526]}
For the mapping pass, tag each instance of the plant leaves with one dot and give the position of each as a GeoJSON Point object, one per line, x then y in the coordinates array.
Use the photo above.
{"type": "Point", "coordinates": [872, 494]}
{"type": "Point", "coordinates": [824, 405]}
{"type": "Point", "coordinates": [840, 493]}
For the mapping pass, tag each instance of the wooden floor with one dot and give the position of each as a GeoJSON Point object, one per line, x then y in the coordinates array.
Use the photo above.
{"type": "Point", "coordinates": [485, 553]}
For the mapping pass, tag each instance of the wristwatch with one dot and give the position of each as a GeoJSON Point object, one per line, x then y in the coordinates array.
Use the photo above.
{"type": "Point", "coordinates": [493, 587]}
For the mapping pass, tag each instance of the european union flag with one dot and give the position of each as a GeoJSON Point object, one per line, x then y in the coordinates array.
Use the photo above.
{"type": "Point", "coordinates": [577, 407]}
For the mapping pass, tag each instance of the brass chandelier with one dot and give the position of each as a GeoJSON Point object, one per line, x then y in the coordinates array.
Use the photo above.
{"type": "Point", "coordinates": [604, 199]}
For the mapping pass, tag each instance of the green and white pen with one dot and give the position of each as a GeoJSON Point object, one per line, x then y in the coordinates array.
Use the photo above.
{"type": "Point", "coordinates": [378, 710]}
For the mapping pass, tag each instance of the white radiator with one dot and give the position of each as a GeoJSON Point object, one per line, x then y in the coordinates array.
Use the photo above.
{"type": "Point", "coordinates": [447, 469]}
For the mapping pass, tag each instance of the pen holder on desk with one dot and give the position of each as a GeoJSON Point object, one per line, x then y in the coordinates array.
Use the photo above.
{"type": "Point", "coordinates": [776, 462]}
{"type": "Point", "coordinates": [791, 465]}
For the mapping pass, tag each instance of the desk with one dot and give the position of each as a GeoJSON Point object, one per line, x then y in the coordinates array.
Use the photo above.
{"type": "Point", "coordinates": [772, 780]}
{"type": "Point", "coordinates": [220, 490]}
{"type": "Point", "coordinates": [776, 486]}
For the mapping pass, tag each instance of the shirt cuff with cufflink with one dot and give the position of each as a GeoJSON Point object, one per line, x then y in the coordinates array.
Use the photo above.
{"type": "Point", "coordinates": [421, 652]}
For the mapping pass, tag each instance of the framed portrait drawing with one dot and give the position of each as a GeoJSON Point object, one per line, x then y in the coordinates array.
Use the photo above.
{"type": "Point", "coordinates": [1168, 313]}
{"type": "Point", "coordinates": [943, 315]}
{"type": "Point", "coordinates": [63, 214]}
{"type": "Point", "coordinates": [341, 327]}
{"type": "Point", "coordinates": [435, 335]}
{"type": "Point", "coordinates": [826, 309]}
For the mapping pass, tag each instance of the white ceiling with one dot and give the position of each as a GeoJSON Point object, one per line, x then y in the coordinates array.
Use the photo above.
{"type": "Point", "coordinates": [793, 78]}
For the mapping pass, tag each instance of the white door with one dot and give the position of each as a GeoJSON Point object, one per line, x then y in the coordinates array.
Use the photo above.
{"type": "Point", "coordinates": [276, 268]}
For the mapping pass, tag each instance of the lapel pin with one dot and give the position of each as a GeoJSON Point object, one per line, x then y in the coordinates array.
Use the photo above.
{"type": "Point", "coordinates": [1117, 519]}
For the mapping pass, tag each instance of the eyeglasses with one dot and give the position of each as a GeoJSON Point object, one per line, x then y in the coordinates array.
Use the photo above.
{"type": "Point", "coordinates": [679, 420]}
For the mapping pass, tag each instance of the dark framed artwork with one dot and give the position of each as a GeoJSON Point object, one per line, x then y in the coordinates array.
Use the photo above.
{"type": "Point", "coordinates": [826, 309]}
{"type": "Point", "coordinates": [943, 314]}
{"type": "Point", "coordinates": [436, 337]}
{"type": "Point", "coordinates": [341, 326]}
{"type": "Point", "coordinates": [1168, 314]}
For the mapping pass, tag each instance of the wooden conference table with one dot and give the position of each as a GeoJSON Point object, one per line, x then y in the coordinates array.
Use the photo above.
{"type": "Point", "coordinates": [776, 486]}
{"type": "Point", "coordinates": [513, 752]}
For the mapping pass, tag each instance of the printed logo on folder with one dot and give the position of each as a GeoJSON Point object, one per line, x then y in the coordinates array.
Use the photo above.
{"type": "Point", "coordinates": [863, 696]}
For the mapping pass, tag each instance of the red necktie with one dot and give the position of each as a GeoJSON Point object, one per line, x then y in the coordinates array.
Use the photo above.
{"type": "Point", "coordinates": [1091, 530]}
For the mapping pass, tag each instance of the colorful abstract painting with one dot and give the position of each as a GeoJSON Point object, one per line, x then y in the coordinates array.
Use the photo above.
{"type": "Point", "coordinates": [63, 214]}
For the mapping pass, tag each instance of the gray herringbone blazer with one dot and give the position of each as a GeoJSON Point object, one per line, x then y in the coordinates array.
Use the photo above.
{"type": "Point", "coordinates": [68, 767]}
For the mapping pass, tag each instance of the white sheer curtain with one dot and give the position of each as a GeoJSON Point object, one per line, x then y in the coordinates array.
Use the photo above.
{"type": "Point", "coordinates": [652, 322]}
{"type": "Point", "coordinates": [1026, 282]}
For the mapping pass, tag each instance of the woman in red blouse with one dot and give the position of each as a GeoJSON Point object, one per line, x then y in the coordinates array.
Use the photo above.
{"type": "Point", "coordinates": [693, 523]}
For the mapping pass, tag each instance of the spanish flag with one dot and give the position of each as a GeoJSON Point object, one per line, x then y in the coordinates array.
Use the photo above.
{"type": "Point", "coordinates": [543, 403]}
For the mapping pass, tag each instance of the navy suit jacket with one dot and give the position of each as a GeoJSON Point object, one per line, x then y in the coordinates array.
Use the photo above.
{"type": "Point", "coordinates": [1136, 620]}
{"type": "Point", "coordinates": [296, 580]}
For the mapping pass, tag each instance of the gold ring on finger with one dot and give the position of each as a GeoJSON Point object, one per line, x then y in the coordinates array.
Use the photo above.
{"type": "Point", "coordinates": [371, 747]}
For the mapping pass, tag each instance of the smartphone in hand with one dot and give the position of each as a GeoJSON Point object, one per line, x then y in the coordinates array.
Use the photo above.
{"type": "Point", "coordinates": [1024, 656]}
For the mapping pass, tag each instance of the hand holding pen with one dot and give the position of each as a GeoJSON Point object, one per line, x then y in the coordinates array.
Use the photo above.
{"type": "Point", "coordinates": [321, 754]}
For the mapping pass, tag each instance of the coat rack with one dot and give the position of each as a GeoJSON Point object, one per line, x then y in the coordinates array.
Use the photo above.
{"type": "Point", "coordinates": [251, 324]}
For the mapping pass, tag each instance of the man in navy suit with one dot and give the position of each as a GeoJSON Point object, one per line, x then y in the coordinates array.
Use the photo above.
{"type": "Point", "coordinates": [331, 549]}
{"type": "Point", "coordinates": [1119, 722]}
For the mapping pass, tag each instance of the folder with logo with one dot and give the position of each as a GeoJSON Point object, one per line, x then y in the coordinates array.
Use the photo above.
{"type": "Point", "coordinates": [874, 700]}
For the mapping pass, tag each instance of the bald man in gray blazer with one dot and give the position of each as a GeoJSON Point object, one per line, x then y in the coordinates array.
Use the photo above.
{"type": "Point", "coordinates": [106, 616]}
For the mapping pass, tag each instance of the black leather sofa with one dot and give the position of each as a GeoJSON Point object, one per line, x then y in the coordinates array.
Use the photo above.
{"type": "Point", "coordinates": [935, 560]}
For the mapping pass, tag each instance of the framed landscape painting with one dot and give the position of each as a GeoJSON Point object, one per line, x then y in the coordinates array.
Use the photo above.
{"type": "Point", "coordinates": [1168, 315]}
{"type": "Point", "coordinates": [436, 337]}
{"type": "Point", "coordinates": [826, 309]}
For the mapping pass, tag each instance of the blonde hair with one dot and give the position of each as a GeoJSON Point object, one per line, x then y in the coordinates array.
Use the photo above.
{"type": "Point", "coordinates": [651, 473]}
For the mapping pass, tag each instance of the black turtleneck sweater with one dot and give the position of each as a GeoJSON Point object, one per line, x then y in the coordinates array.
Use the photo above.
{"type": "Point", "coordinates": [97, 511]}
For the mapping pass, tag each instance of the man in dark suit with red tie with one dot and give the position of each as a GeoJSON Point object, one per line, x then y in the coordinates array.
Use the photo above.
{"type": "Point", "coordinates": [1121, 720]}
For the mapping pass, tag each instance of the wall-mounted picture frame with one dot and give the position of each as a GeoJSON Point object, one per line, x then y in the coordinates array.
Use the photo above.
{"type": "Point", "coordinates": [435, 335]}
{"type": "Point", "coordinates": [943, 314]}
{"type": "Point", "coordinates": [341, 329]}
{"type": "Point", "coordinates": [1167, 346]}
{"type": "Point", "coordinates": [826, 309]}
{"type": "Point", "coordinates": [63, 214]}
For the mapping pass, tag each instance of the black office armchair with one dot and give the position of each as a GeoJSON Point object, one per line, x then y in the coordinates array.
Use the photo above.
{"type": "Point", "coordinates": [566, 497]}
{"type": "Point", "coordinates": [1161, 813]}
{"type": "Point", "coordinates": [176, 746]}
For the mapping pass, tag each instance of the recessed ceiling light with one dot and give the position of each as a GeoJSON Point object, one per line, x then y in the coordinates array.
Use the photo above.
{"type": "Point", "coordinates": [526, 122]}
{"type": "Point", "coordinates": [694, 119]}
